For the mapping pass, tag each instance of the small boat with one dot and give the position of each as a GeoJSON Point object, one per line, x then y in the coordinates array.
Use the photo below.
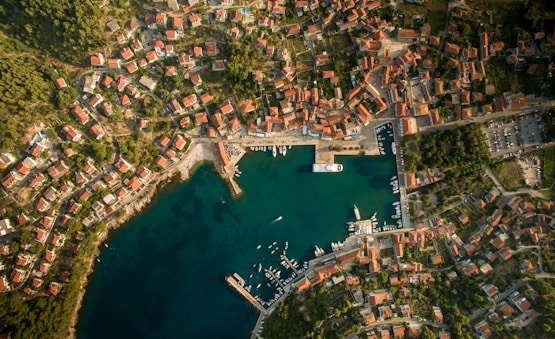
{"type": "Point", "coordinates": [106, 245]}
{"type": "Point", "coordinates": [259, 268]}
{"type": "Point", "coordinates": [274, 151]}
{"type": "Point", "coordinates": [258, 247]}
{"type": "Point", "coordinates": [284, 150]}
{"type": "Point", "coordinates": [258, 286]}
{"type": "Point", "coordinates": [277, 219]}
{"type": "Point", "coordinates": [274, 243]}
{"type": "Point", "coordinates": [357, 212]}
{"type": "Point", "coordinates": [97, 260]}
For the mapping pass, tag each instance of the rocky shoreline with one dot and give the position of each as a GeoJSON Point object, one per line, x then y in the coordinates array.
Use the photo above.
{"type": "Point", "coordinates": [197, 154]}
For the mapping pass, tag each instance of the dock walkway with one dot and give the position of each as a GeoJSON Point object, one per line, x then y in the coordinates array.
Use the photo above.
{"type": "Point", "coordinates": [233, 283]}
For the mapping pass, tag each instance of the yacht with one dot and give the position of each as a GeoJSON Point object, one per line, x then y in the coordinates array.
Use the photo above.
{"type": "Point", "coordinates": [327, 168]}
{"type": "Point", "coordinates": [357, 212]}
{"type": "Point", "coordinates": [274, 151]}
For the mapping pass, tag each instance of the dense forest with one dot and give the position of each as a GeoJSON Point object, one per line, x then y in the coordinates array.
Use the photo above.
{"type": "Point", "coordinates": [445, 149]}
{"type": "Point", "coordinates": [26, 84]}
{"type": "Point", "coordinates": [65, 29]}
{"type": "Point", "coordinates": [323, 313]}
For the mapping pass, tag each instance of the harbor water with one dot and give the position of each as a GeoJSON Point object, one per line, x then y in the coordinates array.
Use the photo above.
{"type": "Point", "coordinates": [162, 274]}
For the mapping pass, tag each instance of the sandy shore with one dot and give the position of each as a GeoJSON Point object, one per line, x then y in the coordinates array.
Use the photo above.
{"type": "Point", "coordinates": [196, 155]}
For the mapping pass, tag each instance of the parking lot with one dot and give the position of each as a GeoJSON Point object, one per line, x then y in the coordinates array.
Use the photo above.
{"type": "Point", "coordinates": [507, 139]}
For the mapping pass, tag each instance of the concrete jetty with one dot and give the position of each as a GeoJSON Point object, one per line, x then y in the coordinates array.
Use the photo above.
{"type": "Point", "coordinates": [275, 278]}
{"type": "Point", "coordinates": [284, 257]}
{"type": "Point", "coordinates": [235, 284]}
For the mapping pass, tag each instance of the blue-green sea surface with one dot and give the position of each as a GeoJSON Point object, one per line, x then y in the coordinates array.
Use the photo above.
{"type": "Point", "coordinates": [162, 275]}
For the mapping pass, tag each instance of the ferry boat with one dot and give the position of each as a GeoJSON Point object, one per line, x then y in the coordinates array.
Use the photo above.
{"type": "Point", "coordinates": [327, 168]}
{"type": "Point", "coordinates": [357, 212]}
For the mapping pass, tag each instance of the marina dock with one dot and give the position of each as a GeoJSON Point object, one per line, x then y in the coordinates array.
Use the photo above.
{"type": "Point", "coordinates": [275, 278]}
{"type": "Point", "coordinates": [237, 286]}
{"type": "Point", "coordinates": [284, 257]}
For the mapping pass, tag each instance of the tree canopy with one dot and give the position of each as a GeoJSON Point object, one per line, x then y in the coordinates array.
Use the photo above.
{"type": "Point", "coordinates": [65, 29]}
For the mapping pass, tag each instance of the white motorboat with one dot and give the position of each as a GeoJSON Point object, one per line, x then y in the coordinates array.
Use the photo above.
{"type": "Point", "coordinates": [357, 212]}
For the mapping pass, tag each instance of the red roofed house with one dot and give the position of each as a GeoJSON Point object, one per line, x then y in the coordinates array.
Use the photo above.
{"type": "Point", "coordinates": [60, 83]}
{"type": "Point", "coordinates": [179, 142]}
{"type": "Point", "coordinates": [377, 297]}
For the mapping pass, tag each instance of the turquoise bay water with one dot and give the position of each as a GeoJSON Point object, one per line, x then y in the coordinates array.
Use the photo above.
{"type": "Point", "coordinates": [163, 273]}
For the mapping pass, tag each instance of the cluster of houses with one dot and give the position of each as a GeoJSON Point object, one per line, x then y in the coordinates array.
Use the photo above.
{"type": "Point", "coordinates": [385, 75]}
{"type": "Point", "coordinates": [507, 223]}
{"type": "Point", "coordinates": [381, 79]}
{"type": "Point", "coordinates": [59, 192]}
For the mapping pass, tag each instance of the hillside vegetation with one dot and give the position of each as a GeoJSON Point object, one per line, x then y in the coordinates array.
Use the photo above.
{"type": "Point", "coordinates": [64, 29]}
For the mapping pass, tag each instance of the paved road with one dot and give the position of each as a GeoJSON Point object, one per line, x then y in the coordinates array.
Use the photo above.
{"type": "Point", "coordinates": [410, 321]}
{"type": "Point", "coordinates": [485, 118]}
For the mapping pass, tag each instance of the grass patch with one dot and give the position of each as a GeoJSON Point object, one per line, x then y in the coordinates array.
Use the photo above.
{"type": "Point", "coordinates": [412, 9]}
{"type": "Point", "coordinates": [340, 42]}
{"type": "Point", "coordinates": [437, 15]}
{"type": "Point", "coordinates": [549, 166]}
{"type": "Point", "coordinates": [499, 74]}
{"type": "Point", "coordinates": [298, 44]}
{"type": "Point", "coordinates": [509, 174]}
{"type": "Point", "coordinates": [532, 83]}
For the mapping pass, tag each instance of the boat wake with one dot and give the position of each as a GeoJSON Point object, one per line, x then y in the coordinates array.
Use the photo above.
{"type": "Point", "coordinates": [277, 219]}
